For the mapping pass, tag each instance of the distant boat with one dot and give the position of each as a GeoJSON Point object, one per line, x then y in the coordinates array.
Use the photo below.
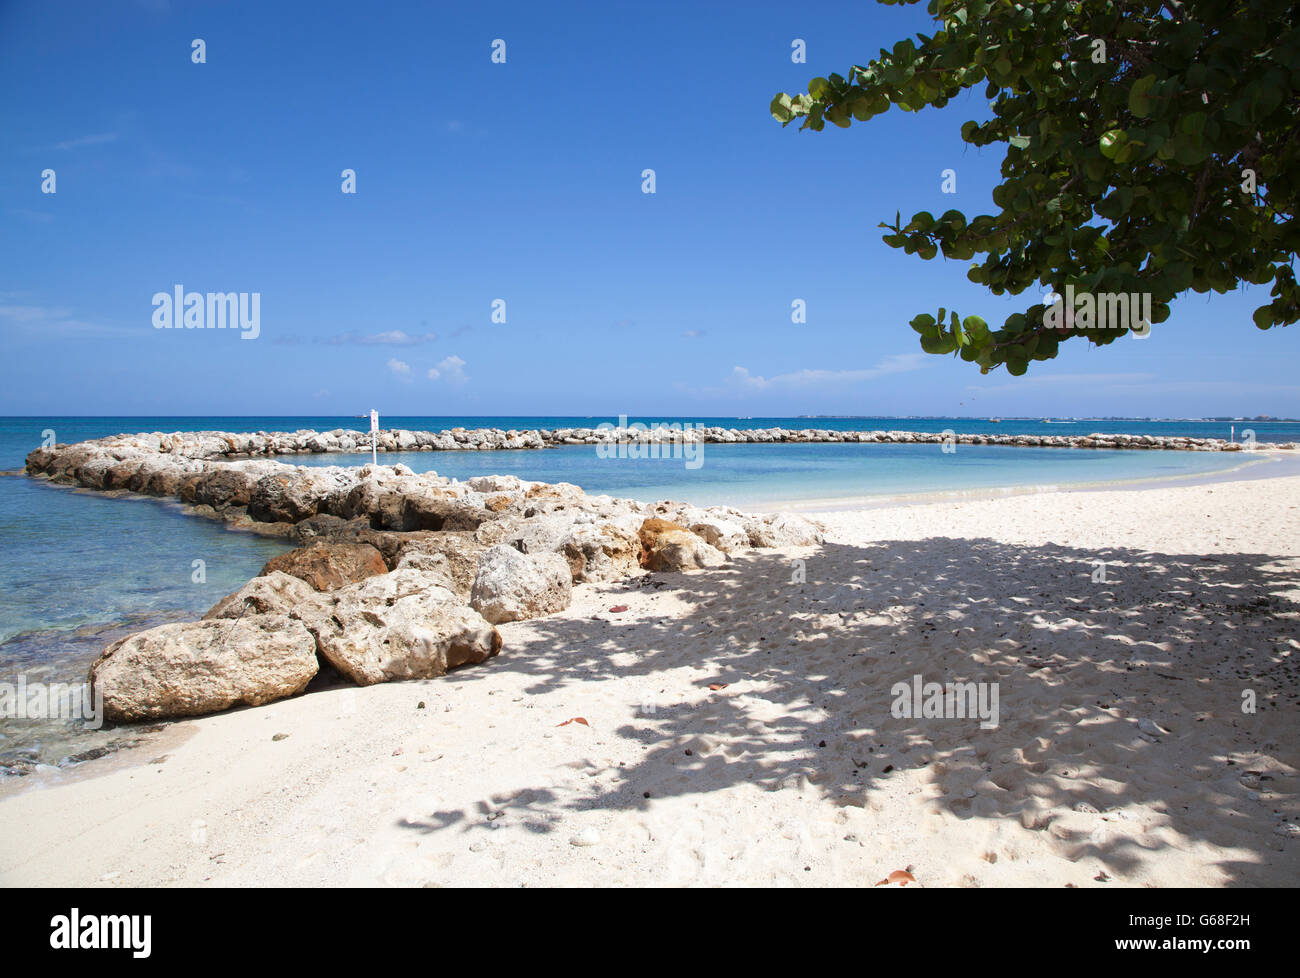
{"type": "Point", "coordinates": [995, 420]}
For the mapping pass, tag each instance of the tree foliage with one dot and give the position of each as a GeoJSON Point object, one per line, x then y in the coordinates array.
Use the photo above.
{"type": "Point", "coordinates": [1150, 148]}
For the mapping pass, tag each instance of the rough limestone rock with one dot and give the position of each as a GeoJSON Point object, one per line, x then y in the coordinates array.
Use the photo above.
{"type": "Point", "coordinates": [436, 568]}
{"type": "Point", "coordinates": [497, 483]}
{"type": "Point", "coordinates": [162, 475]}
{"type": "Point", "coordinates": [293, 495]}
{"type": "Point", "coordinates": [461, 550]}
{"type": "Point", "coordinates": [728, 535]}
{"type": "Point", "coordinates": [198, 667]}
{"type": "Point", "coordinates": [513, 586]}
{"type": "Point", "coordinates": [323, 526]}
{"type": "Point", "coordinates": [219, 488]}
{"type": "Point", "coordinates": [669, 546]}
{"type": "Point", "coordinates": [544, 533]}
{"type": "Point", "coordinates": [602, 552]}
{"type": "Point", "coordinates": [332, 529]}
{"type": "Point", "coordinates": [443, 509]}
{"type": "Point", "coordinates": [400, 626]}
{"type": "Point", "coordinates": [276, 593]}
{"type": "Point", "coordinates": [326, 566]}
{"type": "Point", "coordinates": [782, 530]}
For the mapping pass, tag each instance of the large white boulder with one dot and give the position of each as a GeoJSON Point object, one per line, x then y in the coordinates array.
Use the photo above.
{"type": "Point", "coordinates": [196, 667]}
{"type": "Point", "coordinates": [511, 586]}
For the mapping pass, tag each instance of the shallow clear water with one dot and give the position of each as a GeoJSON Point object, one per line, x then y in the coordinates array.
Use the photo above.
{"type": "Point", "coordinates": [758, 475]}
{"type": "Point", "coordinates": [71, 558]}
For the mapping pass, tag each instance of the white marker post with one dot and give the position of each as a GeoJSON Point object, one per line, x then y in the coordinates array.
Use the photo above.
{"type": "Point", "coordinates": [374, 436]}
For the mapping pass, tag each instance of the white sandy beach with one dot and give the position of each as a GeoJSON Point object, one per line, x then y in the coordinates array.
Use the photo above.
{"type": "Point", "coordinates": [794, 772]}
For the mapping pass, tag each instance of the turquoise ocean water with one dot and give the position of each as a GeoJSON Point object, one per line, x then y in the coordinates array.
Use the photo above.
{"type": "Point", "coordinates": [78, 569]}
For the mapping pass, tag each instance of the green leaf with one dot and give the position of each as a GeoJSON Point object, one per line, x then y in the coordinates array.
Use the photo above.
{"type": "Point", "coordinates": [923, 323]}
{"type": "Point", "coordinates": [1111, 142]}
{"type": "Point", "coordinates": [1140, 102]}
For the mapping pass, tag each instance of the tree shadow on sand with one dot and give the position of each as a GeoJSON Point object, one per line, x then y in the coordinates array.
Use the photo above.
{"type": "Point", "coordinates": [809, 668]}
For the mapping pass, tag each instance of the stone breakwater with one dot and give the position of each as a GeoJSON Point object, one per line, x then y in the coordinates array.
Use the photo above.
{"type": "Point", "coordinates": [221, 444]}
{"type": "Point", "coordinates": [397, 576]}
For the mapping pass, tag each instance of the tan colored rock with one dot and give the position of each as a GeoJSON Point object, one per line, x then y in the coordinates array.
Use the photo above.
{"type": "Point", "coordinates": [602, 552]}
{"type": "Point", "coordinates": [669, 546]}
{"type": "Point", "coordinates": [729, 536]}
{"type": "Point", "coordinates": [782, 530]}
{"type": "Point", "coordinates": [400, 626]}
{"type": "Point", "coordinates": [193, 668]}
{"type": "Point", "coordinates": [436, 568]}
{"type": "Point", "coordinates": [326, 566]}
{"type": "Point", "coordinates": [276, 593]}
{"type": "Point", "coordinates": [462, 551]}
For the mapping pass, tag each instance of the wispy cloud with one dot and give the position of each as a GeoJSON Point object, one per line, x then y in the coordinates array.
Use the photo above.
{"type": "Point", "coordinates": [97, 139]}
{"type": "Point", "coordinates": [450, 369]}
{"type": "Point", "coordinates": [1032, 382]}
{"type": "Point", "coordinates": [48, 321]}
{"type": "Point", "coordinates": [693, 334]}
{"type": "Point", "coordinates": [36, 217]}
{"type": "Point", "coordinates": [896, 364]}
{"type": "Point", "coordinates": [399, 367]}
{"type": "Point", "coordinates": [392, 337]}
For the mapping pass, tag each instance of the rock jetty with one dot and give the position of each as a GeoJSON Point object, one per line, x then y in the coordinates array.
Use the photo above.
{"type": "Point", "coordinates": [209, 445]}
{"type": "Point", "coordinates": [398, 575]}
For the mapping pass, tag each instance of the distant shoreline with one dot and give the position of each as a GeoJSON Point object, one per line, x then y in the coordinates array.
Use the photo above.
{"type": "Point", "coordinates": [224, 445]}
{"type": "Point", "coordinates": [1249, 471]}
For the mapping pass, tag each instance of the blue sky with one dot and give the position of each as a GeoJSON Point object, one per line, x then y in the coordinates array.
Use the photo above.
{"type": "Point", "coordinates": [519, 181]}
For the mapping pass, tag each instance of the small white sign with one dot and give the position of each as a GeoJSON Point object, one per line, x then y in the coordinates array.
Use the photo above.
{"type": "Point", "coordinates": [374, 420]}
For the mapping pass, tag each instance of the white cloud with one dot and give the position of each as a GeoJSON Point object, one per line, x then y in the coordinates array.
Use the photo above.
{"type": "Point", "coordinates": [451, 369]}
{"type": "Point", "coordinates": [51, 321]}
{"type": "Point", "coordinates": [94, 140]}
{"type": "Point", "coordinates": [1032, 382]}
{"type": "Point", "coordinates": [895, 364]}
{"type": "Point", "coordinates": [392, 337]}
{"type": "Point", "coordinates": [398, 367]}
